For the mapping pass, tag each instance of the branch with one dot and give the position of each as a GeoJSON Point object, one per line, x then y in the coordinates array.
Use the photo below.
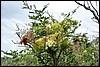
{"type": "Point", "coordinates": [84, 2]}
{"type": "Point", "coordinates": [18, 35]}
{"type": "Point", "coordinates": [96, 17]}
{"type": "Point", "coordinates": [40, 58]}
{"type": "Point", "coordinates": [94, 8]}
{"type": "Point", "coordinates": [88, 4]}
{"type": "Point", "coordinates": [59, 53]}
{"type": "Point", "coordinates": [14, 42]}
{"type": "Point", "coordinates": [38, 55]}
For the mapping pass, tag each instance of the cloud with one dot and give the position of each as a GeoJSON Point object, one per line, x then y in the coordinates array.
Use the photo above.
{"type": "Point", "coordinates": [13, 9]}
{"type": "Point", "coordinates": [8, 27]}
{"type": "Point", "coordinates": [10, 16]}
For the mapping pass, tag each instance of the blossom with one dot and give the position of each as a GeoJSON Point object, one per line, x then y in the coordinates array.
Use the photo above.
{"type": "Point", "coordinates": [85, 51]}
{"type": "Point", "coordinates": [50, 43]}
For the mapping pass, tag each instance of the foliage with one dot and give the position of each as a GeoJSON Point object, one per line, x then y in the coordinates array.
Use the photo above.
{"type": "Point", "coordinates": [24, 58]}
{"type": "Point", "coordinates": [53, 43]}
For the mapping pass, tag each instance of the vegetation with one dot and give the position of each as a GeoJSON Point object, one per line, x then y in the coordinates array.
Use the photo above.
{"type": "Point", "coordinates": [52, 42]}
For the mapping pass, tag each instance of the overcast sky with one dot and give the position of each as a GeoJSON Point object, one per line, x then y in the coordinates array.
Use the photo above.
{"type": "Point", "coordinates": [12, 13]}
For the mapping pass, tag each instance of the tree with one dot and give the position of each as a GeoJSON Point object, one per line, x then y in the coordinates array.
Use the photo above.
{"type": "Point", "coordinates": [52, 42]}
{"type": "Point", "coordinates": [88, 5]}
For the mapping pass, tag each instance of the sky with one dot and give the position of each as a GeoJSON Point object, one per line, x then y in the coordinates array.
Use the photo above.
{"type": "Point", "coordinates": [12, 14]}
